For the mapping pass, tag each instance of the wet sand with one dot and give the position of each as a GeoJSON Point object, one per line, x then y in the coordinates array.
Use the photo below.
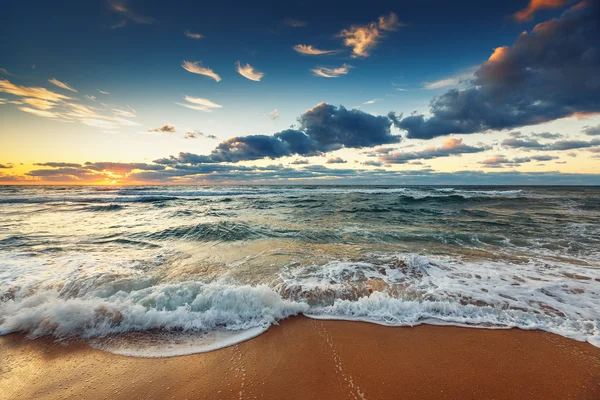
{"type": "Point", "coordinates": [308, 359]}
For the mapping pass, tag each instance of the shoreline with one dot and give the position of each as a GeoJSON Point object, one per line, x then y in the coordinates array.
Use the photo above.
{"type": "Point", "coordinates": [308, 358]}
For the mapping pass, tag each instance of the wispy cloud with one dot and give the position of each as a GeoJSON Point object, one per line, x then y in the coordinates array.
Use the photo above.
{"type": "Point", "coordinates": [39, 103]}
{"type": "Point", "coordinates": [195, 67]}
{"type": "Point", "coordinates": [197, 134]}
{"type": "Point", "coordinates": [273, 114]}
{"type": "Point", "coordinates": [36, 92]}
{"type": "Point", "coordinates": [200, 104]}
{"type": "Point", "coordinates": [309, 50]}
{"type": "Point", "coordinates": [294, 23]}
{"type": "Point", "coordinates": [124, 113]}
{"type": "Point", "coordinates": [325, 72]}
{"type": "Point", "coordinates": [103, 92]}
{"type": "Point", "coordinates": [362, 38]}
{"type": "Point", "coordinates": [535, 5]}
{"type": "Point", "coordinates": [62, 85]}
{"type": "Point", "coordinates": [127, 14]}
{"type": "Point", "coordinates": [39, 113]}
{"type": "Point", "coordinates": [451, 81]}
{"type": "Point", "coordinates": [247, 71]}
{"type": "Point", "coordinates": [371, 101]}
{"type": "Point", "coordinates": [192, 35]}
{"type": "Point", "coordinates": [5, 72]}
{"type": "Point", "coordinates": [165, 128]}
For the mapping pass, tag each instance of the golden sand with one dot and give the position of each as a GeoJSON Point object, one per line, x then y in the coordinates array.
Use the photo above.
{"type": "Point", "coordinates": [309, 359]}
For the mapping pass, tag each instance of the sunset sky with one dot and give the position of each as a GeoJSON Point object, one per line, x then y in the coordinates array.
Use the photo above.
{"type": "Point", "coordinates": [186, 92]}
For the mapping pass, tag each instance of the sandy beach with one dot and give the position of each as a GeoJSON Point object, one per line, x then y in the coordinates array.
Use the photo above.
{"type": "Point", "coordinates": [303, 358]}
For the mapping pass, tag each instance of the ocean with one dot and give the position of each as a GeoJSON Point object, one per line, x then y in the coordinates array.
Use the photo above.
{"type": "Point", "coordinates": [160, 271]}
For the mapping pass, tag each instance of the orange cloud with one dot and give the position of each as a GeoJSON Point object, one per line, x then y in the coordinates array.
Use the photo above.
{"type": "Point", "coordinates": [363, 38]}
{"type": "Point", "coordinates": [499, 53]}
{"type": "Point", "coordinates": [535, 5]}
{"type": "Point", "coordinates": [61, 85]}
{"type": "Point", "coordinates": [247, 71]}
{"type": "Point", "coordinates": [309, 50]}
{"type": "Point", "coordinates": [195, 67]}
{"type": "Point", "coordinates": [36, 92]}
{"type": "Point", "coordinates": [324, 72]}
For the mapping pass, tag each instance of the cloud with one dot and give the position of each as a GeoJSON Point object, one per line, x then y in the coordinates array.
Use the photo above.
{"type": "Point", "coordinates": [455, 80]}
{"type": "Point", "coordinates": [247, 71]}
{"type": "Point", "coordinates": [372, 163]}
{"type": "Point", "coordinates": [3, 71]}
{"type": "Point", "coordinates": [274, 114]}
{"type": "Point", "coordinates": [164, 128]}
{"type": "Point", "coordinates": [192, 35]}
{"type": "Point", "coordinates": [309, 50]}
{"type": "Point", "coordinates": [336, 160]}
{"type": "Point", "coordinates": [362, 38]}
{"type": "Point", "coordinates": [58, 165]}
{"type": "Point", "coordinates": [39, 103]}
{"type": "Point", "coordinates": [128, 15]}
{"type": "Point", "coordinates": [549, 73]}
{"type": "Point", "coordinates": [294, 23]}
{"type": "Point", "coordinates": [122, 168]}
{"type": "Point", "coordinates": [501, 161]}
{"type": "Point", "coordinates": [5, 166]}
{"type": "Point", "coordinates": [321, 129]}
{"type": "Point", "coordinates": [103, 92]}
{"type": "Point", "coordinates": [592, 130]}
{"type": "Point", "coordinates": [200, 104]}
{"type": "Point", "coordinates": [450, 147]}
{"type": "Point", "coordinates": [35, 92]}
{"type": "Point", "coordinates": [92, 98]}
{"type": "Point", "coordinates": [195, 67]}
{"type": "Point", "coordinates": [535, 5]}
{"type": "Point", "coordinates": [39, 113]}
{"type": "Point", "coordinates": [197, 134]}
{"type": "Point", "coordinates": [124, 113]}
{"type": "Point", "coordinates": [558, 145]}
{"type": "Point", "coordinates": [61, 84]}
{"type": "Point", "coordinates": [547, 135]}
{"type": "Point", "coordinates": [300, 162]}
{"type": "Point", "coordinates": [331, 72]}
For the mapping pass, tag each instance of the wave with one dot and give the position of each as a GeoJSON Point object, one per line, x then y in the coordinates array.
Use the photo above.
{"type": "Point", "coordinates": [399, 290]}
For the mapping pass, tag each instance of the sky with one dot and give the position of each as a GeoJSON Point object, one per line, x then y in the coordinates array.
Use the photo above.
{"type": "Point", "coordinates": [390, 92]}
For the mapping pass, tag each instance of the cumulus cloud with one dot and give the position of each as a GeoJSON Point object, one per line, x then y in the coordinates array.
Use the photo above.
{"type": "Point", "coordinates": [535, 5]}
{"type": "Point", "coordinates": [560, 145]}
{"type": "Point", "coordinates": [195, 67]}
{"type": "Point", "coordinates": [336, 160]}
{"type": "Point", "coordinates": [200, 104]}
{"type": "Point", "coordinates": [325, 72]}
{"type": "Point", "coordinates": [247, 71]}
{"type": "Point", "coordinates": [127, 14]}
{"type": "Point", "coordinates": [62, 85]}
{"type": "Point", "coordinates": [592, 130]}
{"type": "Point", "coordinates": [362, 38]}
{"type": "Point", "coordinates": [274, 114]}
{"type": "Point", "coordinates": [192, 35]}
{"type": "Point", "coordinates": [165, 128]}
{"type": "Point", "coordinates": [547, 74]}
{"type": "Point", "coordinates": [300, 162]}
{"type": "Point", "coordinates": [197, 134]}
{"type": "Point", "coordinates": [450, 147]}
{"type": "Point", "coordinates": [321, 129]}
{"type": "Point", "coordinates": [310, 50]}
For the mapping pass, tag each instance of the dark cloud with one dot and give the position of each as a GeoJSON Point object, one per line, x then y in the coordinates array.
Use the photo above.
{"type": "Point", "coordinates": [449, 148]}
{"type": "Point", "coordinates": [5, 166]}
{"type": "Point", "coordinates": [547, 135]}
{"type": "Point", "coordinates": [549, 73]}
{"type": "Point", "coordinates": [373, 163]}
{"type": "Point", "coordinates": [558, 145]}
{"type": "Point", "coordinates": [321, 129]}
{"type": "Point", "coordinates": [122, 168]}
{"type": "Point", "coordinates": [164, 128]}
{"type": "Point", "coordinates": [197, 134]}
{"type": "Point", "coordinates": [336, 160]}
{"type": "Point", "coordinates": [58, 165]}
{"type": "Point", "coordinates": [300, 162]}
{"type": "Point", "coordinates": [592, 130]}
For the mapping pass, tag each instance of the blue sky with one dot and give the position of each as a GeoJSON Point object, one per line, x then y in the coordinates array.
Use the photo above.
{"type": "Point", "coordinates": [134, 51]}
